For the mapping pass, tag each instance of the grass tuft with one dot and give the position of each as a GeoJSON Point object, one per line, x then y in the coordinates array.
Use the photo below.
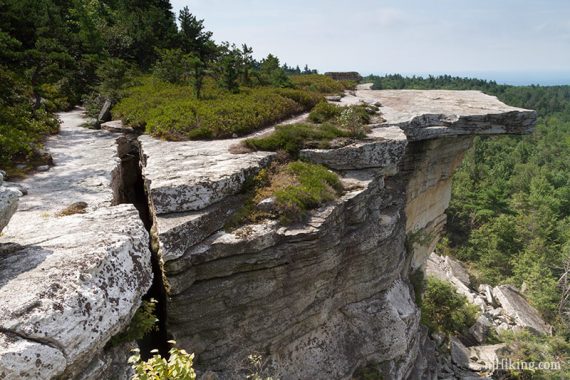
{"type": "Point", "coordinates": [289, 191]}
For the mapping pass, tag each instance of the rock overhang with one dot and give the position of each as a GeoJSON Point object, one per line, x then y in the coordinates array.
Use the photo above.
{"type": "Point", "coordinates": [347, 252]}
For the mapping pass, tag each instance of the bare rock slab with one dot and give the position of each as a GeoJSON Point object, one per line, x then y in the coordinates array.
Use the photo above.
{"type": "Point", "coordinates": [191, 175]}
{"type": "Point", "coordinates": [78, 282]}
{"type": "Point", "coordinates": [517, 307]}
{"type": "Point", "coordinates": [383, 148]}
{"type": "Point", "coordinates": [428, 114]}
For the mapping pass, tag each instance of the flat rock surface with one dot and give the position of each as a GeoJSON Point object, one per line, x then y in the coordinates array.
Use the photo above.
{"type": "Point", "coordinates": [192, 175]}
{"type": "Point", "coordinates": [68, 283]}
{"type": "Point", "coordinates": [518, 308]}
{"type": "Point", "coordinates": [424, 114]}
{"type": "Point", "coordinates": [75, 284]}
{"type": "Point", "coordinates": [84, 161]}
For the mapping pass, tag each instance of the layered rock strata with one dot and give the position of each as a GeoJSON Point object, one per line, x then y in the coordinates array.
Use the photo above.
{"type": "Point", "coordinates": [73, 264]}
{"type": "Point", "coordinates": [322, 298]}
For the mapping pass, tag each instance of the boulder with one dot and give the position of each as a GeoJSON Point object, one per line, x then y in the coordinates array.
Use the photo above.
{"type": "Point", "coordinates": [333, 98]}
{"type": "Point", "coordinates": [79, 281]}
{"type": "Point", "coordinates": [8, 204]}
{"type": "Point", "coordinates": [517, 307]}
{"type": "Point", "coordinates": [105, 113]}
{"type": "Point", "coordinates": [487, 292]}
{"type": "Point", "coordinates": [480, 330]}
{"type": "Point", "coordinates": [485, 358]}
{"type": "Point", "coordinates": [460, 354]}
{"type": "Point", "coordinates": [17, 187]}
{"type": "Point", "coordinates": [451, 270]}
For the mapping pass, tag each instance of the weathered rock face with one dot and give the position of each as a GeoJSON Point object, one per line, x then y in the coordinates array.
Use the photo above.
{"type": "Point", "coordinates": [68, 283]}
{"type": "Point", "coordinates": [516, 307]}
{"type": "Point", "coordinates": [8, 202]}
{"type": "Point", "coordinates": [319, 299]}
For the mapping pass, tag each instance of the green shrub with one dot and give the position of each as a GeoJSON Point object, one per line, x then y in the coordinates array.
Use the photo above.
{"type": "Point", "coordinates": [320, 83]}
{"type": "Point", "coordinates": [179, 365]}
{"type": "Point", "coordinates": [354, 119]}
{"type": "Point", "coordinates": [294, 137]}
{"type": "Point", "coordinates": [143, 322]}
{"type": "Point", "coordinates": [324, 111]}
{"type": "Point", "coordinates": [295, 188]}
{"type": "Point", "coordinates": [444, 310]}
{"type": "Point", "coordinates": [530, 348]}
{"type": "Point", "coordinates": [171, 111]}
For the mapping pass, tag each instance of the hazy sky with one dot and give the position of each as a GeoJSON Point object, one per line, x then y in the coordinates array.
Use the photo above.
{"type": "Point", "coordinates": [397, 36]}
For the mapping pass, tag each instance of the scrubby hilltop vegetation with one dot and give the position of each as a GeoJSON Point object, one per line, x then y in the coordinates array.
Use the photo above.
{"type": "Point", "coordinates": [176, 81]}
{"type": "Point", "coordinates": [509, 217]}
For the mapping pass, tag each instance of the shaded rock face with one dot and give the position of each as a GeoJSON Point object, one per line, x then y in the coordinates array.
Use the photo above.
{"type": "Point", "coordinates": [69, 282]}
{"type": "Point", "coordinates": [319, 299]}
{"type": "Point", "coordinates": [9, 197]}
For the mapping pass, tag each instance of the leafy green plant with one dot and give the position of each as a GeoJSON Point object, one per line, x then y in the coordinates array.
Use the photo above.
{"type": "Point", "coordinates": [354, 120]}
{"type": "Point", "coordinates": [256, 368]}
{"type": "Point", "coordinates": [324, 111]}
{"type": "Point", "coordinates": [294, 137]}
{"type": "Point", "coordinates": [294, 188]}
{"type": "Point", "coordinates": [179, 365]}
{"type": "Point", "coordinates": [444, 310]}
{"type": "Point", "coordinates": [171, 111]}
{"type": "Point", "coordinates": [321, 84]}
{"type": "Point", "coordinates": [524, 346]}
{"type": "Point", "coordinates": [143, 322]}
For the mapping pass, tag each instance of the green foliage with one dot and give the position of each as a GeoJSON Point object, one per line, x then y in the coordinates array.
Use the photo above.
{"type": "Point", "coordinates": [444, 310]}
{"type": "Point", "coordinates": [256, 368]}
{"type": "Point", "coordinates": [295, 188]}
{"type": "Point", "coordinates": [173, 66]}
{"type": "Point", "coordinates": [312, 186]}
{"type": "Point", "coordinates": [293, 137]}
{"type": "Point", "coordinates": [527, 347]}
{"type": "Point", "coordinates": [115, 76]}
{"type": "Point", "coordinates": [324, 111]}
{"type": "Point", "coordinates": [170, 111]}
{"type": "Point", "coordinates": [354, 120]}
{"type": "Point", "coordinates": [144, 321]}
{"type": "Point", "coordinates": [321, 84]}
{"type": "Point", "coordinates": [271, 73]}
{"type": "Point", "coordinates": [179, 365]}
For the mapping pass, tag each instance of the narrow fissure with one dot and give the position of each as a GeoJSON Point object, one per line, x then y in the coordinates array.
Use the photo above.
{"type": "Point", "coordinates": [130, 188]}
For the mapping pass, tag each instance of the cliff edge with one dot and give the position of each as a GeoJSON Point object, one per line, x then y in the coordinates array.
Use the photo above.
{"type": "Point", "coordinates": [322, 298]}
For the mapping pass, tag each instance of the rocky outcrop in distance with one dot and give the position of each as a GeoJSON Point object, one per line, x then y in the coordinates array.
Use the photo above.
{"type": "Point", "coordinates": [323, 298]}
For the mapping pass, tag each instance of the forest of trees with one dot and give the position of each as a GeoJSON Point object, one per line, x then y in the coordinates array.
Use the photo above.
{"type": "Point", "coordinates": [56, 54]}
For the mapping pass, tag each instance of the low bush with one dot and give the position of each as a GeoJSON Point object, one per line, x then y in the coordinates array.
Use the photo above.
{"type": "Point", "coordinates": [525, 347]}
{"type": "Point", "coordinates": [294, 137]}
{"type": "Point", "coordinates": [324, 111]}
{"type": "Point", "coordinates": [349, 123]}
{"type": "Point", "coordinates": [321, 84]}
{"type": "Point", "coordinates": [179, 365]}
{"type": "Point", "coordinates": [444, 310]}
{"type": "Point", "coordinates": [293, 188]}
{"type": "Point", "coordinates": [170, 111]}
